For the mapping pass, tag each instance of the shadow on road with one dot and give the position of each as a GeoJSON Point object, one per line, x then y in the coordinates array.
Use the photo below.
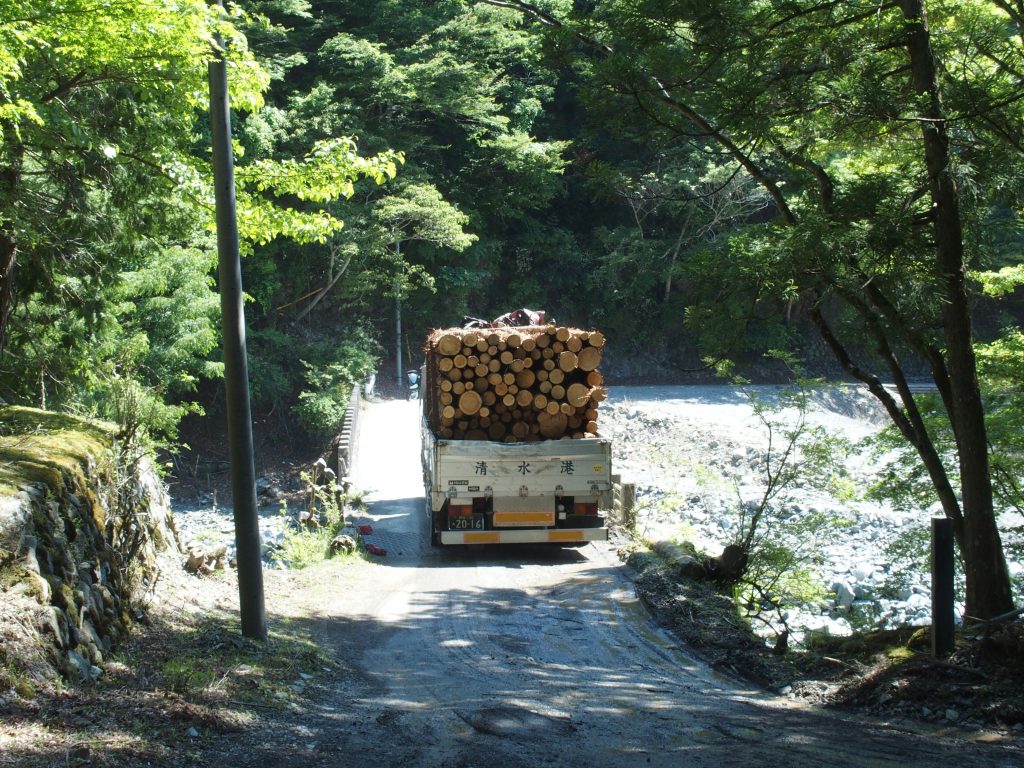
{"type": "Point", "coordinates": [479, 675]}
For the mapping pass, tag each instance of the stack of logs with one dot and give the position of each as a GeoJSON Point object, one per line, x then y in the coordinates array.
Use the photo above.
{"type": "Point", "coordinates": [513, 384]}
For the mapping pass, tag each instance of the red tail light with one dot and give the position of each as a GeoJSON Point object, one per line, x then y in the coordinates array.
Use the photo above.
{"type": "Point", "coordinates": [585, 509]}
{"type": "Point", "coordinates": [460, 509]}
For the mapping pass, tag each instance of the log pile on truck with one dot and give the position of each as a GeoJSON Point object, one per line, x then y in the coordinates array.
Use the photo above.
{"type": "Point", "coordinates": [513, 384]}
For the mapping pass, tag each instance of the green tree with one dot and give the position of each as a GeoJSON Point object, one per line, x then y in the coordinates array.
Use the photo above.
{"type": "Point", "coordinates": [460, 92]}
{"type": "Point", "coordinates": [106, 203]}
{"type": "Point", "coordinates": [90, 108]}
{"type": "Point", "coordinates": [863, 126]}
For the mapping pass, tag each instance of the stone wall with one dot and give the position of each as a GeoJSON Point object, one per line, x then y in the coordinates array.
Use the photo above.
{"type": "Point", "coordinates": [66, 580]}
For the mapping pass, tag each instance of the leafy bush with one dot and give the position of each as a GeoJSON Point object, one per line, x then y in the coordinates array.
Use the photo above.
{"type": "Point", "coordinates": [324, 518]}
{"type": "Point", "coordinates": [321, 405]}
{"type": "Point", "coordinates": [778, 547]}
{"type": "Point", "coordinates": [321, 413]}
{"type": "Point", "coordinates": [303, 548]}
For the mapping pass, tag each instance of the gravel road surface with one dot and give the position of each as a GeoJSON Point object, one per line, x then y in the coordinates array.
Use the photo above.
{"type": "Point", "coordinates": [545, 657]}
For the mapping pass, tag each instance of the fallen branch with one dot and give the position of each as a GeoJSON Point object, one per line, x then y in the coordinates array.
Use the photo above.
{"type": "Point", "coordinates": [1003, 617]}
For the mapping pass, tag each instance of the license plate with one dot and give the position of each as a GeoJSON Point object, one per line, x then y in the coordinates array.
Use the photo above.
{"type": "Point", "coordinates": [466, 523]}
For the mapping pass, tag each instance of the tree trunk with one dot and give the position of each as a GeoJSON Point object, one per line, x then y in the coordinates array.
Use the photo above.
{"type": "Point", "coordinates": [988, 582]}
{"type": "Point", "coordinates": [8, 259]}
{"type": "Point", "coordinates": [10, 177]}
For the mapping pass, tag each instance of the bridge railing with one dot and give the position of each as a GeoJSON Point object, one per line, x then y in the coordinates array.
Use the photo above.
{"type": "Point", "coordinates": [347, 440]}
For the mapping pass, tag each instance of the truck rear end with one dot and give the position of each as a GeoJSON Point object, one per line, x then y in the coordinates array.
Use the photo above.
{"type": "Point", "coordinates": [483, 492]}
{"type": "Point", "coordinates": [511, 449]}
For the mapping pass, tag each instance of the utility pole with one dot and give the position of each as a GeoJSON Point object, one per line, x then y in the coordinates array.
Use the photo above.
{"type": "Point", "coordinates": [236, 370]}
{"type": "Point", "coordinates": [398, 321]}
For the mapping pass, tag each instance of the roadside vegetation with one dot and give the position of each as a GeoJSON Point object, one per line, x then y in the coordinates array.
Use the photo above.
{"type": "Point", "coordinates": [501, 154]}
{"type": "Point", "coordinates": [321, 530]}
{"type": "Point", "coordinates": [890, 673]}
{"type": "Point", "coordinates": [742, 607]}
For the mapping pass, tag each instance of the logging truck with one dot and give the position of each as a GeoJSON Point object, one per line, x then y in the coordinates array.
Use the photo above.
{"type": "Point", "coordinates": [511, 450]}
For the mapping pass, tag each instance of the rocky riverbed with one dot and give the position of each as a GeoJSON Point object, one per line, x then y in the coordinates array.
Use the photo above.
{"type": "Point", "coordinates": [698, 458]}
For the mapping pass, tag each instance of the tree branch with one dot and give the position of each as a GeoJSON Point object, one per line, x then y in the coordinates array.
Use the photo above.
{"type": "Point", "coordinates": [330, 284]}
{"type": "Point", "coordinates": [826, 187]}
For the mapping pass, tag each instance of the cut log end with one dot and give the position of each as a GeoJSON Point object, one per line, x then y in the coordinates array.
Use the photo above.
{"type": "Point", "coordinates": [470, 402]}
{"type": "Point", "coordinates": [449, 345]}
{"type": "Point", "coordinates": [589, 358]}
{"type": "Point", "coordinates": [515, 385]}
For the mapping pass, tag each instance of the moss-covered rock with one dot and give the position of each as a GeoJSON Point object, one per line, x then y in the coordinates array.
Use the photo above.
{"type": "Point", "coordinates": [60, 565]}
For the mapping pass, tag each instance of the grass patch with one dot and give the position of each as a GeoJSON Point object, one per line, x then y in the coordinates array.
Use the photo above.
{"type": "Point", "coordinates": [899, 643]}
{"type": "Point", "coordinates": [302, 549]}
{"type": "Point", "coordinates": [320, 522]}
{"type": "Point", "coordinates": [211, 663]}
{"type": "Point", "coordinates": [184, 687]}
{"type": "Point", "coordinates": [14, 676]}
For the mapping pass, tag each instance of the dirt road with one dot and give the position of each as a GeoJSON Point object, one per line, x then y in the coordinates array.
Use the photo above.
{"type": "Point", "coordinates": [535, 656]}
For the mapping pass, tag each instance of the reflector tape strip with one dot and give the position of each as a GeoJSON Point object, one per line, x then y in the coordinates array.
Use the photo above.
{"type": "Point", "coordinates": [524, 536]}
{"type": "Point", "coordinates": [524, 518]}
{"type": "Point", "coordinates": [565, 536]}
{"type": "Point", "coordinates": [491, 537]}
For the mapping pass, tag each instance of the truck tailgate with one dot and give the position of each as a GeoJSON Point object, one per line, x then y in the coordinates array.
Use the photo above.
{"type": "Point", "coordinates": [545, 468]}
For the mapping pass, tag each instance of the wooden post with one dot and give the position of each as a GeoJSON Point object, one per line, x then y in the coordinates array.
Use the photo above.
{"type": "Point", "coordinates": [942, 587]}
{"type": "Point", "coordinates": [628, 494]}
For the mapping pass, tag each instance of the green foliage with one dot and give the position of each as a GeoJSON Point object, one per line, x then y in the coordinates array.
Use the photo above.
{"type": "Point", "coordinates": [187, 676]}
{"type": "Point", "coordinates": [327, 172]}
{"type": "Point", "coordinates": [780, 576]}
{"type": "Point", "coordinates": [322, 411]}
{"type": "Point", "coordinates": [901, 479]}
{"type": "Point", "coordinates": [781, 546]}
{"type": "Point", "coordinates": [302, 549]}
{"type": "Point", "coordinates": [1001, 368]}
{"type": "Point", "coordinates": [108, 202]}
{"type": "Point", "coordinates": [1001, 282]}
{"type": "Point", "coordinates": [321, 405]}
{"type": "Point", "coordinates": [324, 517]}
{"type": "Point", "coordinates": [142, 413]}
{"type": "Point", "coordinates": [908, 555]}
{"type": "Point", "coordinates": [14, 676]}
